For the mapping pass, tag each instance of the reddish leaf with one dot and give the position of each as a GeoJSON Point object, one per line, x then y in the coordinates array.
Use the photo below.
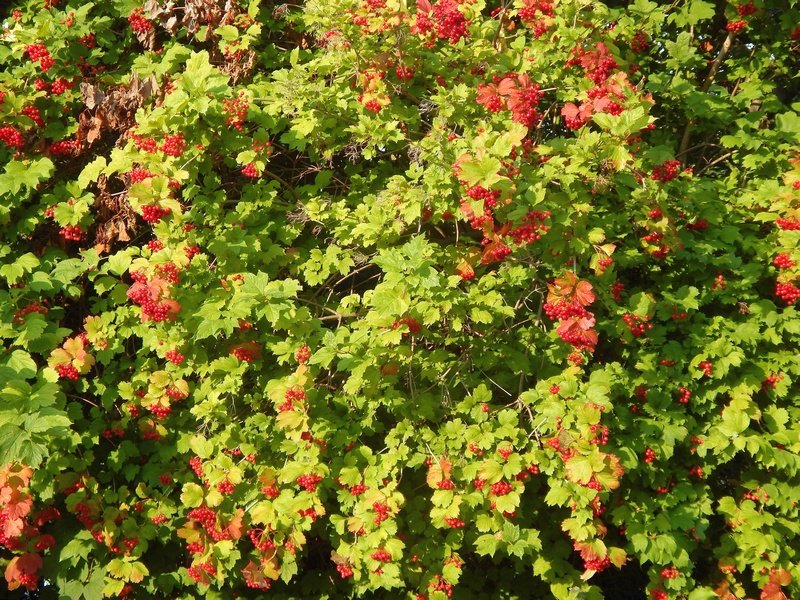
{"type": "Point", "coordinates": [507, 86]}
{"type": "Point", "coordinates": [27, 564]}
{"type": "Point", "coordinates": [424, 7]}
{"type": "Point", "coordinates": [583, 293]}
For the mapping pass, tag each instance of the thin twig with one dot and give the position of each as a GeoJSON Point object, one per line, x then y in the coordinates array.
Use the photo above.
{"type": "Point", "coordinates": [726, 46]}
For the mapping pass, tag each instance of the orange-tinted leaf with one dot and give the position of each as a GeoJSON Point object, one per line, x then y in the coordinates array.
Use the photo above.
{"type": "Point", "coordinates": [28, 564]}
{"type": "Point", "coordinates": [583, 293]}
{"type": "Point", "coordinates": [438, 472]}
{"type": "Point", "coordinates": [507, 86]}
{"type": "Point", "coordinates": [235, 526]}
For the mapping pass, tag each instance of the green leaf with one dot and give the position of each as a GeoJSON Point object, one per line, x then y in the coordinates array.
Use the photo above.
{"type": "Point", "coordinates": [18, 363]}
{"type": "Point", "coordinates": [483, 171]}
{"type": "Point", "coordinates": [192, 495]}
{"type": "Point", "coordinates": [486, 544]}
{"type": "Point", "coordinates": [28, 174]}
{"type": "Point", "coordinates": [788, 122]}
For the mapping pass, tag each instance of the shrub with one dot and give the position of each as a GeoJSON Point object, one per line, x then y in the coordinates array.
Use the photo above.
{"type": "Point", "coordinates": [370, 298]}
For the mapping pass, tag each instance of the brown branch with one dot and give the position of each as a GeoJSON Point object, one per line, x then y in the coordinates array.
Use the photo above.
{"type": "Point", "coordinates": [726, 46]}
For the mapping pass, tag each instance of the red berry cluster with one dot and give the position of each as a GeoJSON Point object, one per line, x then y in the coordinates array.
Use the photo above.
{"type": "Point", "coordinates": [208, 519]}
{"type": "Point", "coordinates": [756, 496]}
{"type": "Point", "coordinates": [523, 105]}
{"type": "Point", "coordinates": [236, 108]}
{"type": "Point", "coordinates": [505, 452]}
{"type": "Point", "coordinates": [153, 213]}
{"type": "Point", "coordinates": [160, 411]}
{"type": "Point", "coordinates": [151, 298]}
{"type": "Point", "coordinates": [175, 393]}
{"type": "Point", "coordinates": [225, 487]}
{"type": "Point", "coordinates": [358, 489]}
{"type": "Point", "coordinates": [39, 53]}
{"type": "Point", "coordinates": [270, 491]}
{"type": "Point", "coordinates": [788, 224]}
{"type": "Point", "coordinates": [169, 272]}
{"type": "Point", "coordinates": [404, 73]}
{"type": "Point", "coordinates": [68, 371]}
{"type": "Point", "coordinates": [489, 197]}
{"type": "Point", "coordinates": [34, 114]}
{"type": "Point", "coordinates": [495, 251]}
{"type": "Point", "coordinates": [788, 292]}
{"type": "Point", "coordinates": [531, 228]}
{"type": "Point", "coordinates": [696, 472]}
{"type": "Point", "coordinates": [309, 482]}
{"type": "Point", "coordinates": [658, 595]}
{"type": "Point", "coordinates": [72, 233]}
{"type": "Point", "coordinates": [638, 325]}
{"type": "Point", "coordinates": [597, 564]}
{"type": "Point", "coordinates": [250, 170]}
{"type": "Point", "coordinates": [783, 261]}
{"type": "Point", "coordinates": [454, 523]}
{"type": "Point", "coordinates": [597, 63]}
{"type": "Point", "coordinates": [770, 382]}
{"type": "Point", "coordinates": [381, 512]}
{"type": "Point", "coordinates": [155, 246]}
{"type": "Point", "coordinates": [448, 22]}
{"type": "Point", "coordinates": [89, 40]}
{"type": "Point", "coordinates": [138, 175]}
{"type": "Point", "coordinates": [198, 573]}
{"type": "Point", "coordinates": [371, 105]}
{"type": "Point", "coordinates": [736, 26]}
{"type": "Point", "coordinates": [33, 307]}
{"type": "Point", "coordinates": [60, 86]}
{"type": "Point", "coordinates": [173, 145]}
{"type": "Point", "coordinates": [381, 555]}
{"type": "Point", "coordinates": [63, 148]}
{"type": "Point", "coordinates": [174, 357]}
{"type": "Point", "coordinates": [639, 42]}
{"type": "Point", "coordinates": [531, 7]}
{"type": "Point", "coordinates": [138, 22]}
{"type": "Point", "coordinates": [684, 395]}
{"type": "Point", "coordinates": [501, 488]}
{"type": "Point", "coordinates": [260, 540]}
{"type": "Point", "coordinates": [192, 251]}
{"type": "Point", "coordinates": [706, 366]}
{"type": "Point", "coordinates": [666, 171]}
{"type": "Point", "coordinates": [11, 137]}
{"type": "Point", "coordinates": [413, 325]}
{"type": "Point", "coordinates": [616, 291]}
{"type": "Point", "coordinates": [446, 484]}
{"type": "Point", "coordinates": [600, 434]}
{"type": "Point", "coordinates": [344, 571]}
{"type": "Point", "coordinates": [649, 455]}
{"type": "Point", "coordinates": [195, 548]}
{"type": "Point", "coordinates": [302, 354]}
{"type": "Point", "coordinates": [146, 144]}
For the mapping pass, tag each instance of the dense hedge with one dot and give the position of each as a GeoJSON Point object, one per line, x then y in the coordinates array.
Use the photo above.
{"type": "Point", "coordinates": [365, 298]}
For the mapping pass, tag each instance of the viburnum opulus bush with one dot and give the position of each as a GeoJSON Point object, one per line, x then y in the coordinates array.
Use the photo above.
{"type": "Point", "coordinates": [374, 298]}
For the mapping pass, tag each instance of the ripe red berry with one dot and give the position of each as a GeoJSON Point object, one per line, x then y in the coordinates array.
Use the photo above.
{"type": "Point", "coordinates": [309, 482]}
{"type": "Point", "coordinates": [11, 137]}
{"type": "Point", "coordinates": [173, 145]}
{"type": "Point", "coordinates": [152, 213]}
{"type": "Point", "coordinates": [138, 22]}
{"type": "Point", "coordinates": [174, 357]}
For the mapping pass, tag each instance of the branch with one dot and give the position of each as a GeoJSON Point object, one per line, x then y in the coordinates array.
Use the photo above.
{"type": "Point", "coordinates": [726, 46]}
